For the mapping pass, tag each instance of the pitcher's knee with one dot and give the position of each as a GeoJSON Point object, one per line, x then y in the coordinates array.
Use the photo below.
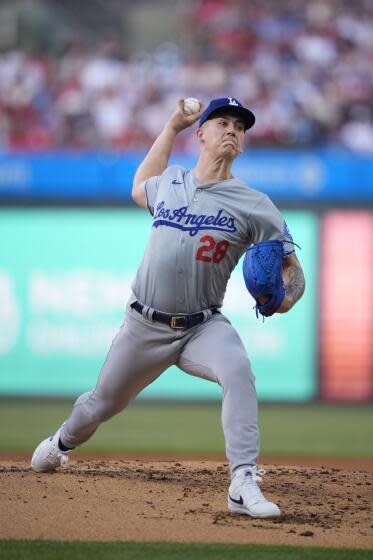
{"type": "Point", "coordinates": [237, 374]}
{"type": "Point", "coordinates": [105, 409]}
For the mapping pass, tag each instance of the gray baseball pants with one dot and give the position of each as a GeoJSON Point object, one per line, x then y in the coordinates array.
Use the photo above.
{"type": "Point", "coordinates": [143, 349]}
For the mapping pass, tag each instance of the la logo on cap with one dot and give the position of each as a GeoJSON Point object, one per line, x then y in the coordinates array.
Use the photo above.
{"type": "Point", "coordinates": [232, 101]}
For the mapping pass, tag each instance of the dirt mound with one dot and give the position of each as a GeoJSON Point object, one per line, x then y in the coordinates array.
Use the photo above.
{"type": "Point", "coordinates": [182, 501]}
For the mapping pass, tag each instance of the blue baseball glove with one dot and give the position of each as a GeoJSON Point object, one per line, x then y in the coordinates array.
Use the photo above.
{"type": "Point", "coordinates": [262, 272]}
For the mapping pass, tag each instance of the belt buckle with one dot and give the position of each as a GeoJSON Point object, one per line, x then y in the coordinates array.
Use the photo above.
{"type": "Point", "coordinates": [174, 322]}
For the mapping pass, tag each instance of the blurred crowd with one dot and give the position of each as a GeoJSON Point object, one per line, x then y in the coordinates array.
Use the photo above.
{"type": "Point", "coordinates": [304, 68]}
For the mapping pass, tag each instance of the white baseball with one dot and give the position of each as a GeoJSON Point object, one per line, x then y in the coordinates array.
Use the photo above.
{"type": "Point", "coordinates": [191, 106]}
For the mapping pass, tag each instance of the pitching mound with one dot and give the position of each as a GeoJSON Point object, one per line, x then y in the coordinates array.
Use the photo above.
{"type": "Point", "coordinates": [182, 501]}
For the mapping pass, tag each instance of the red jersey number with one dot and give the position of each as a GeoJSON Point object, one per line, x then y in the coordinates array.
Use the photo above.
{"type": "Point", "coordinates": [210, 251]}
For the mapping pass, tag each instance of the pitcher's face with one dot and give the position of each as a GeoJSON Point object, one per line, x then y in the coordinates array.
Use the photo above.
{"type": "Point", "coordinates": [222, 135]}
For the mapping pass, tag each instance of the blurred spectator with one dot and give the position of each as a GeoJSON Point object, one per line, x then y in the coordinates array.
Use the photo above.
{"type": "Point", "coordinates": [305, 68]}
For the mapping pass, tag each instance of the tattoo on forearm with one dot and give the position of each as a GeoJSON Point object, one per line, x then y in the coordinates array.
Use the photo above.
{"type": "Point", "coordinates": [295, 284]}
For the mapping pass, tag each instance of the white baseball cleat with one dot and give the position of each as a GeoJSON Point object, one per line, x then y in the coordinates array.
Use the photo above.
{"type": "Point", "coordinates": [244, 495]}
{"type": "Point", "coordinates": [48, 456]}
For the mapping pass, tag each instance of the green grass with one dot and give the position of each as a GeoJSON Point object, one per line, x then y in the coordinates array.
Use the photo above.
{"type": "Point", "coordinates": [150, 427]}
{"type": "Point", "coordinates": [46, 550]}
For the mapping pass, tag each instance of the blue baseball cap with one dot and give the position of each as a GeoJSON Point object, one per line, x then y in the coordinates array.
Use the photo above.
{"type": "Point", "coordinates": [228, 103]}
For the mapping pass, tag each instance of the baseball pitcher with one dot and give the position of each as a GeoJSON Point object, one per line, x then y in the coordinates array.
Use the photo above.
{"type": "Point", "coordinates": [204, 220]}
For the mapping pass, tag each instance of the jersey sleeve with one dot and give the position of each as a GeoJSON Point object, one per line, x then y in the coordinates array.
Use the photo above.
{"type": "Point", "coordinates": [267, 224]}
{"type": "Point", "coordinates": [151, 189]}
{"type": "Point", "coordinates": [161, 184]}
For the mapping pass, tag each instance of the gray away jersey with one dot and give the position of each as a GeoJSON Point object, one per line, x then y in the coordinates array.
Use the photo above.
{"type": "Point", "coordinates": [198, 235]}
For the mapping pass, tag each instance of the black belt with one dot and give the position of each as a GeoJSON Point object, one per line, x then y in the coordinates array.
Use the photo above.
{"type": "Point", "coordinates": [175, 321]}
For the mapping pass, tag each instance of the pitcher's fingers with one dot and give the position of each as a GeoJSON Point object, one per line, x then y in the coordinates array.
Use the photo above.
{"type": "Point", "coordinates": [195, 116]}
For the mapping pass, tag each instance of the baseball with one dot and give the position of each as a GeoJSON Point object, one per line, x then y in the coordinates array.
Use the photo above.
{"type": "Point", "coordinates": [191, 106]}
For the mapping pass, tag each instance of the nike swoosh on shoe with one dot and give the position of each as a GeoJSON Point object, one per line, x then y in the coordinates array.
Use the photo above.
{"type": "Point", "coordinates": [239, 502]}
